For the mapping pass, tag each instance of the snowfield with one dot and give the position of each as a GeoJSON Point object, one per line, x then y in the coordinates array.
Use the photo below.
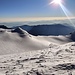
{"type": "Point", "coordinates": [55, 60]}
{"type": "Point", "coordinates": [24, 54]}
{"type": "Point", "coordinates": [15, 42]}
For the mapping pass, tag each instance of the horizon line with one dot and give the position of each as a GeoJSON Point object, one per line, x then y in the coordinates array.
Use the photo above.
{"type": "Point", "coordinates": [18, 19]}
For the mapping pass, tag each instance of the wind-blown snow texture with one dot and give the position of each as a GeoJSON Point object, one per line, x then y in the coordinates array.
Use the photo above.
{"type": "Point", "coordinates": [55, 60]}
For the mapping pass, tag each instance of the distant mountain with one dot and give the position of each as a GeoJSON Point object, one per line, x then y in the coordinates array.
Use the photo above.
{"type": "Point", "coordinates": [21, 32]}
{"type": "Point", "coordinates": [45, 30]}
{"type": "Point", "coordinates": [4, 27]}
{"type": "Point", "coordinates": [18, 30]}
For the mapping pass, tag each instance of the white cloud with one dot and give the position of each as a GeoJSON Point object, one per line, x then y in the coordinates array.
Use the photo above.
{"type": "Point", "coordinates": [32, 19]}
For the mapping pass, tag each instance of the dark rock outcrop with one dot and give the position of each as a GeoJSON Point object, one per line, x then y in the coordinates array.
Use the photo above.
{"type": "Point", "coordinates": [4, 27]}
{"type": "Point", "coordinates": [73, 36]}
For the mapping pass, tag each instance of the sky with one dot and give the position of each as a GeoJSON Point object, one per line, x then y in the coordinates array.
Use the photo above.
{"type": "Point", "coordinates": [21, 10]}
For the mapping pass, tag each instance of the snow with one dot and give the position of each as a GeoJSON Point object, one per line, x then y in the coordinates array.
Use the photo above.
{"type": "Point", "coordinates": [24, 54]}
{"type": "Point", "coordinates": [55, 60]}
{"type": "Point", "coordinates": [21, 41]}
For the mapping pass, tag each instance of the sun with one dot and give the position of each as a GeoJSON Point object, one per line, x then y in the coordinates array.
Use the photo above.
{"type": "Point", "coordinates": [56, 2]}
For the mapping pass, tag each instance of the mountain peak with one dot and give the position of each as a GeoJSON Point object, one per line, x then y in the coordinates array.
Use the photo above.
{"type": "Point", "coordinates": [21, 32]}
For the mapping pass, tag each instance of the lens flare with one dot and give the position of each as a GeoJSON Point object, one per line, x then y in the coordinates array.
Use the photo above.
{"type": "Point", "coordinates": [64, 9]}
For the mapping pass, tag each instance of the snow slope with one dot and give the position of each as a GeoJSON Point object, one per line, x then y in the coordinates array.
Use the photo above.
{"type": "Point", "coordinates": [24, 54]}
{"type": "Point", "coordinates": [19, 40]}
{"type": "Point", "coordinates": [55, 60]}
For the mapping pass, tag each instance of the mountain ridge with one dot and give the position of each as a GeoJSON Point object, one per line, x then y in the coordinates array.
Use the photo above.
{"type": "Point", "coordinates": [46, 30]}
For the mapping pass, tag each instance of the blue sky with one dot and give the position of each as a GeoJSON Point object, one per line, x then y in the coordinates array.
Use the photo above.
{"type": "Point", "coordinates": [33, 8]}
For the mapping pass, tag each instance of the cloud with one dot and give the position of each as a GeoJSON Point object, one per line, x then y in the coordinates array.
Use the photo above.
{"type": "Point", "coordinates": [32, 19]}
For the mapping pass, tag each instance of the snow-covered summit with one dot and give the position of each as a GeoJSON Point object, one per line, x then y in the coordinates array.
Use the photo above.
{"type": "Point", "coordinates": [21, 32]}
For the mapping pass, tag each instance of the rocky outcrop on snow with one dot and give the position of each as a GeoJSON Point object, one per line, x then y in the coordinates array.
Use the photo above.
{"type": "Point", "coordinates": [73, 36]}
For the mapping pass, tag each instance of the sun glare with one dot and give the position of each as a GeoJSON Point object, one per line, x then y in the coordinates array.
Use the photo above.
{"type": "Point", "coordinates": [56, 2]}
{"type": "Point", "coordinates": [64, 9]}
